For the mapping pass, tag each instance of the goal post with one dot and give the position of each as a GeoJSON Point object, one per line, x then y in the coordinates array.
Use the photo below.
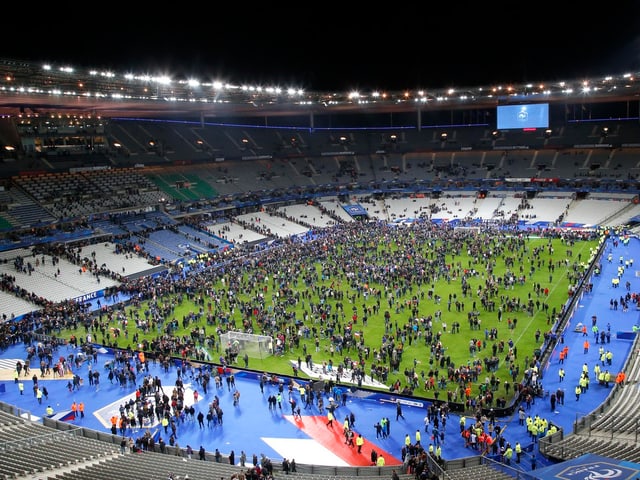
{"type": "Point", "coordinates": [473, 230]}
{"type": "Point", "coordinates": [237, 344]}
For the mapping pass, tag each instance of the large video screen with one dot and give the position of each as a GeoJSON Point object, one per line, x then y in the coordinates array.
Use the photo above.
{"type": "Point", "coordinates": [534, 115]}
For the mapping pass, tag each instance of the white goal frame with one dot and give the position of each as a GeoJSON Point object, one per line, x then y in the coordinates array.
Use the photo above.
{"type": "Point", "coordinates": [474, 229]}
{"type": "Point", "coordinates": [241, 343]}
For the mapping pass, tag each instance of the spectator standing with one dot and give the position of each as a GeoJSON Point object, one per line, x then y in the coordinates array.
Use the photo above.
{"type": "Point", "coordinates": [329, 419]}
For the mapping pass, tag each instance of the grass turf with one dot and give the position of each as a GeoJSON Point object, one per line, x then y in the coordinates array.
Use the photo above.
{"type": "Point", "coordinates": [394, 291]}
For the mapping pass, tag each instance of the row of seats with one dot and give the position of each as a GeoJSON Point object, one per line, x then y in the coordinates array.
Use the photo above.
{"type": "Point", "coordinates": [29, 448]}
{"type": "Point", "coordinates": [61, 451]}
{"type": "Point", "coordinates": [575, 446]}
{"type": "Point", "coordinates": [71, 195]}
{"type": "Point", "coordinates": [187, 141]}
{"type": "Point", "coordinates": [484, 471]}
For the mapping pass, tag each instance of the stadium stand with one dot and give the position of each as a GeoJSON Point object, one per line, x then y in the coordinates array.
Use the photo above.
{"type": "Point", "coordinates": [137, 194]}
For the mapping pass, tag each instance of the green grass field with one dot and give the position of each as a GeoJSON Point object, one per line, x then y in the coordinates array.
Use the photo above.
{"type": "Point", "coordinates": [413, 279]}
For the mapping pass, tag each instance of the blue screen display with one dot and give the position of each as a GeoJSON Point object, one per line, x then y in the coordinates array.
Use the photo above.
{"type": "Point", "coordinates": [533, 115]}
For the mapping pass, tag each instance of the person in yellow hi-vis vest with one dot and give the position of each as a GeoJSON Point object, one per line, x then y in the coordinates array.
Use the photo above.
{"type": "Point", "coordinates": [359, 443]}
{"type": "Point", "coordinates": [329, 419]}
{"type": "Point", "coordinates": [508, 454]}
{"type": "Point", "coordinates": [165, 423]}
{"type": "Point", "coordinates": [380, 461]}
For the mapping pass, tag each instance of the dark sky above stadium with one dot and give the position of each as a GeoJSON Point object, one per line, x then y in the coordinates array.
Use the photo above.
{"type": "Point", "coordinates": [318, 46]}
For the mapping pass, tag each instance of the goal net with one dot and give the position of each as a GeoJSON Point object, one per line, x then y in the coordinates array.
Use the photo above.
{"type": "Point", "coordinates": [239, 343]}
{"type": "Point", "coordinates": [467, 229]}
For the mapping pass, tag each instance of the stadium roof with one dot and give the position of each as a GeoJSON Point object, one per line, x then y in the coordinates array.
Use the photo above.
{"type": "Point", "coordinates": [26, 87]}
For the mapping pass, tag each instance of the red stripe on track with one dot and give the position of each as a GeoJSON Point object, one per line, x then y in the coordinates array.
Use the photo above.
{"type": "Point", "coordinates": [332, 438]}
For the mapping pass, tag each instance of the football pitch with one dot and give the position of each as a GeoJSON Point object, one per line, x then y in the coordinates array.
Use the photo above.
{"type": "Point", "coordinates": [427, 311]}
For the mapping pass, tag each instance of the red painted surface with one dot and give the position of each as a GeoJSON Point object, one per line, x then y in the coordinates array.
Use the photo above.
{"type": "Point", "coordinates": [332, 438]}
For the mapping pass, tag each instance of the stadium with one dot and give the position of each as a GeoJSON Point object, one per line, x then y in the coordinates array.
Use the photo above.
{"type": "Point", "coordinates": [168, 181]}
